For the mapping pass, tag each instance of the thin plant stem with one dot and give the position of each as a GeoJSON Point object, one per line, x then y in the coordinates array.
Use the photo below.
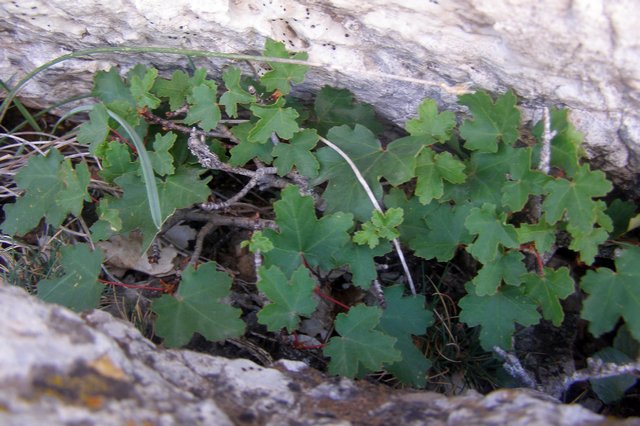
{"type": "Point", "coordinates": [376, 205]}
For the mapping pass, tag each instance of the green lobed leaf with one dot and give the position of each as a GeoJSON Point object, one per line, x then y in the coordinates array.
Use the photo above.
{"type": "Point", "coordinates": [400, 159]}
{"type": "Point", "coordinates": [486, 175]}
{"type": "Point", "coordinates": [95, 131]}
{"type": "Point", "coordinates": [575, 198]}
{"type": "Point", "coordinates": [235, 94]}
{"type": "Point", "coordinates": [621, 212]}
{"type": "Point", "coordinates": [432, 169]}
{"type": "Point", "coordinates": [336, 107]}
{"type": "Point", "coordinates": [116, 161]}
{"type": "Point", "coordinates": [360, 348]}
{"type": "Point", "coordinates": [196, 308]}
{"type": "Point", "coordinates": [523, 181]}
{"type": "Point", "coordinates": [437, 126]}
{"type": "Point", "coordinates": [258, 243]}
{"type": "Point", "coordinates": [141, 89]}
{"type": "Point", "coordinates": [180, 190]}
{"type": "Point", "coordinates": [492, 122]}
{"type": "Point", "coordinates": [414, 223]}
{"type": "Point", "coordinates": [497, 314]}
{"type": "Point", "coordinates": [446, 232]}
{"type": "Point", "coordinates": [302, 234]}
{"type": "Point", "coordinates": [361, 263]}
{"type": "Point", "coordinates": [78, 288]}
{"type": "Point", "coordinates": [297, 153]}
{"type": "Point", "coordinates": [161, 159]}
{"type": "Point", "coordinates": [402, 318]}
{"type": "Point", "coordinates": [381, 226]}
{"type": "Point", "coordinates": [614, 295]}
{"type": "Point", "coordinates": [245, 151]}
{"type": "Point", "coordinates": [507, 267]}
{"type": "Point", "coordinates": [548, 290]}
{"type": "Point", "coordinates": [565, 146]}
{"type": "Point", "coordinates": [177, 89]}
{"type": "Point", "coordinates": [203, 108]}
{"type": "Point", "coordinates": [273, 119]}
{"type": "Point", "coordinates": [343, 191]}
{"type": "Point", "coordinates": [289, 298]}
{"type": "Point", "coordinates": [282, 75]}
{"type": "Point", "coordinates": [492, 231]}
{"type": "Point", "coordinates": [542, 234]}
{"type": "Point", "coordinates": [53, 190]}
{"type": "Point", "coordinates": [109, 87]}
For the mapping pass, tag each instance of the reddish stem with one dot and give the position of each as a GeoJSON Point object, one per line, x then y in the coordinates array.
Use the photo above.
{"type": "Point", "coordinates": [140, 287]}
{"type": "Point", "coordinates": [330, 299]}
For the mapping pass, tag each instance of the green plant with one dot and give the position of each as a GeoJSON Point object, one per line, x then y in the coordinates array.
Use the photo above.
{"type": "Point", "coordinates": [477, 188]}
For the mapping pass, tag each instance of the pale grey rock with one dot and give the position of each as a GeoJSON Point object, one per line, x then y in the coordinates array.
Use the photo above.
{"type": "Point", "coordinates": [582, 54]}
{"type": "Point", "coordinates": [61, 368]}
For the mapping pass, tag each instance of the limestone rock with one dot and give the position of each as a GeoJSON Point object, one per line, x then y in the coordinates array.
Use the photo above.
{"type": "Point", "coordinates": [59, 368]}
{"type": "Point", "coordinates": [582, 54]}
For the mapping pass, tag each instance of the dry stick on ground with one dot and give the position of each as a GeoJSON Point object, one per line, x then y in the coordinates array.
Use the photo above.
{"type": "Point", "coordinates": [376, 205]}
{"type": "Point", "coordinates": [263, 176]}
{"type": "Point", "coordinates": [170, 125]}
{"type": "Point", "coordinates": [598, 369]}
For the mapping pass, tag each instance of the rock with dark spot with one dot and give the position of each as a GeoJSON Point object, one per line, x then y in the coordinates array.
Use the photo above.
{"type": "Point", "coordinates": [114, 376]}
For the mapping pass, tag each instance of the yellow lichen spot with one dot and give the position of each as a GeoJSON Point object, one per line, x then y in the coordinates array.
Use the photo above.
{"type": "Point", "coordinates": [105, 367]}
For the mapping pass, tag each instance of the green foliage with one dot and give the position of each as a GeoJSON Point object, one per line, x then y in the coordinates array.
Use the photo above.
{"type": "Point", "coordinates": [203, 107]}
{"type": "Point", "coordinates": [492, 230]}
{"type": "Point", "coordinates": [53, 190]}
{"type": "Point", "coordinates": [614, 295]}
{"type": "Point", "coordinates": [290, 298]}
{"type": "Point", "coordinates": [444, 233]}
{"type": "Point", "coordinates": [282, 75]}
{"type": "Point", "coordinates": [496, 314]}
{"type": "Point", "coordinates": [298, 153]}
{"type": "Point", "coordinates": [471, 194]}
{"type": "Point", "coordinates": [196, 308]}
{"type": "Point", "coordinates": [78, 288]}
{"type": "Point", "coordinates": [437, 126]}
{"type": "Point", "coordinates": [432, 170]}
{"type": "Point", "coordinates": [402, 318]}
{"type": "Point", "coordinates": [273, 119]}
{"type": "Point", "coordinates": [258, 242]}
{"type": "Point", "coordinates": [302, 234]}
{"type": "Point", "coordinates": [141, 86]}
{"type": "Point", "coordinates": [381, 226]}
{"type": "Point", "coordinates": [491, 122]}
{"type": "Point", "coordinates": [336, 107]}
{"type": "Point", "coordinates": [548, 289]}
{"type": "Point", "coordinates": [360, 348]}
{"type": "Point", "coordinates": [507, 267]}
{"type": "Point", "coordinates": [235, 94]}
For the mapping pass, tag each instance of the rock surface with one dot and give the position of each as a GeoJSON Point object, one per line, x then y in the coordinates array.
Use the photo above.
{"type": "Point", "coordinates": [582, 54]}
{"type": "Point", "coordinates": [59, 368]}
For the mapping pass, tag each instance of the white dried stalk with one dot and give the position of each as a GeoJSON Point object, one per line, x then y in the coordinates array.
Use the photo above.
{"type": "Point", "coordinates": [376, 205]}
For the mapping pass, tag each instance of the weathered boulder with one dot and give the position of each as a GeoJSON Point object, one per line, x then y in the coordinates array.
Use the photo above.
{"type": "Point", "coordinates": [60, 368]}
{"type": "Point", "coordinates": [582, 54]}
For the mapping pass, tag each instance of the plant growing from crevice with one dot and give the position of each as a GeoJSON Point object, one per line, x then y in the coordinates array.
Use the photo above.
{"type": "Point", "coordinates": [449, 186]}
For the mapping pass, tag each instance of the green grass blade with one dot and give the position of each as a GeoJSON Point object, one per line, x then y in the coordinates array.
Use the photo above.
{"type": "Point", "coordinates": [23, 110]}
{"type": "Point", "coordinates": [147, 170]}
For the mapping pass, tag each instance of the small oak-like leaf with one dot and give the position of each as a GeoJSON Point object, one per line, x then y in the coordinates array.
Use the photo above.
{"type": "Point", "coordinates": [196, 308]}
{"type": "Point", "coordinates": [360, 348]}
{"type": "Point", "coordinates": [289, 298]}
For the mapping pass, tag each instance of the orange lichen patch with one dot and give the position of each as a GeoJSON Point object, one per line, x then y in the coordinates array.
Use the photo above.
{"type": "Point", "coordinates": [107, 368]}
{"type": "Point", "coordinates": [89, 385]}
